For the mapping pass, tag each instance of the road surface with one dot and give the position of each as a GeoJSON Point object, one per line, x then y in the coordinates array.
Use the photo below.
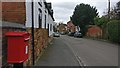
{"type": "Point", "coordinates": [93, 52]}
{"type": "Point", "coordinates": [70, 51]}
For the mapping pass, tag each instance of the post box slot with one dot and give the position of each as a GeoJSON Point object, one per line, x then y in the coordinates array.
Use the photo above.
{"type": "Point", "coordinates": [26, 50]}
{"type": "Point", "coordinates": [26, 39]}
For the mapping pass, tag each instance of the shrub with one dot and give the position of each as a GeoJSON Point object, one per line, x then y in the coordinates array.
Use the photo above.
{"type": "Point", "coordinates": [114, 30]}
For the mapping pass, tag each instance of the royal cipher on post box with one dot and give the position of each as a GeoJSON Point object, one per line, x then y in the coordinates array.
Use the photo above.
{"type": "Point", "coordinates": [17, 47]}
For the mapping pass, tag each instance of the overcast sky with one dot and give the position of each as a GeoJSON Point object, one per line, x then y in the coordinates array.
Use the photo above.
{"type": "Point", "coordinates": [63, 9]}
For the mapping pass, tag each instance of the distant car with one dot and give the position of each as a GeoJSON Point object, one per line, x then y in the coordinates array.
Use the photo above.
{"type": "Point", "coordinates": [62, 33]}
{"type": "Point", "coordinates": [56, 34]}
{"type": "Point", "coordinates": [71, 33]}
{"type": "Point", "coordinates": [78, 34]}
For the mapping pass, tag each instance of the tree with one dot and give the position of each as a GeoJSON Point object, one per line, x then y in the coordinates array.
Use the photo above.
{"type": "Point", "coordinates": [115, 12]}
{"type": "Point", "coordinates": [114, 30]}
{"type": "Point", "coordinates": [96, 21]}
{"type": "Point", "coordinates": [101, 22]}
{"type": "Point", "coordinates": [84, 15]}
{"type": "Point", "coordinates": [118, 9]}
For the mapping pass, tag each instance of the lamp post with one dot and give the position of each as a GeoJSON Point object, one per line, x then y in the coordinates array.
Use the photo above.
{"type": "Point", "coordinates": [32, 30]}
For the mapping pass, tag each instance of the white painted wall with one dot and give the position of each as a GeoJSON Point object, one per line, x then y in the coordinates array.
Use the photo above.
{"type": "Point", "coordinates": [28, 14]}
{"type": "Point", "coordinates": [49, 19]}
{"type": "Point", "coordinates": [77, 28]}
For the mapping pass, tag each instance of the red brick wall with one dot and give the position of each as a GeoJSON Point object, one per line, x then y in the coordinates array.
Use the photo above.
{"type": "Point", "coordinates": [71, 26]}
{"type": "Point", "coordinates": [14, 12]}
{"type": "Point", "coordinates": [40, 42]}
{"type": "Point", "coordinates": [94, 31]}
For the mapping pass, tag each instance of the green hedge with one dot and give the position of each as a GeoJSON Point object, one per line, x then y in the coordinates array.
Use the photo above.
{"type": "Point", "coordinates": [114, 30]}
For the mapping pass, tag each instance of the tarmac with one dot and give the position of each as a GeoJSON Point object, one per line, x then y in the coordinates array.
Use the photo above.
{"type": "Point", "coordinates": [57, 54]}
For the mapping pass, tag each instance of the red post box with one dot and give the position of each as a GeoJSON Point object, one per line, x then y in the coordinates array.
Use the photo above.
{"type": "Point", "coordinates": [17, 47]}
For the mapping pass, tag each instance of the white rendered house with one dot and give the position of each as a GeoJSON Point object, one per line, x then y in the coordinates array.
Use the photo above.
{"type": "Point", "coordinates": [43, 15]}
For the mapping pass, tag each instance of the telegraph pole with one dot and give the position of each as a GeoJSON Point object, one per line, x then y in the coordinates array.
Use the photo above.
{"type": "Point", "coordinates": [108, 10]}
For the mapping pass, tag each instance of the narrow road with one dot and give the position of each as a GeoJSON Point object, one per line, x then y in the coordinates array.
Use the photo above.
{"type": "Point", "coordinates": [70, 51]}
{"type": "Point", "coordinates": [58, 54]}
{"type": "Point", "coordinates": [92, 52]}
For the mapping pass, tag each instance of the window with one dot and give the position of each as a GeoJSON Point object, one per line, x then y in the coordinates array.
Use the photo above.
{"type": "Point", "coordinates": [40, 18]}
{"type": "Point", "coordinates": [45, 21]}
{"type": "Point", "coordinates": [50, 27]}
{"type": "Point", "coordinates": [40, 3]}
{"type": "Point", "coordinates": [45, 11]}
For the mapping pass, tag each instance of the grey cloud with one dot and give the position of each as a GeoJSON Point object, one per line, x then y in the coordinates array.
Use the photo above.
{"type": "Point", "coordinates": [103, 6]}
{"type": "Point", "coordinates": [63, 10]}
{"type": "Point", "coordinates": [65, 5]}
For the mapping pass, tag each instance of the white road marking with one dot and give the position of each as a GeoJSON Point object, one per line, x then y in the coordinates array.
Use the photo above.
{"type": "Point", "coordinates": [80, 62]}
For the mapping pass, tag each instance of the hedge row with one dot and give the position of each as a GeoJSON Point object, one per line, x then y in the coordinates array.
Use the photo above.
{"type": "Point", "coordinates": [114, 30]}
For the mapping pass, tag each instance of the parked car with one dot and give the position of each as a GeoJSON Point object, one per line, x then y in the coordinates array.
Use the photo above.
{"type": "Point", "coordinates": [78, 34]}
{"type": "Point", "coordinates": [56, 34]}
{"type": "Point", "coordinates": [62, 33]}
{"type": "Point", "coordinates": [71, 33]}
